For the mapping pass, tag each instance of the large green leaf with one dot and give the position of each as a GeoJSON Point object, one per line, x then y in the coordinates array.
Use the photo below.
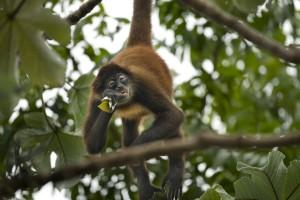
{"type": "Point", "coordinates": [42, 19]}
{"type": "Point", "coordinates": [216, 193]}
{"type": "Point", "coordinates": [246, 5]}
{"type": "Point", "coordinates": [43, 65]}
{"type": "Point", "coordinates": [78, 97]}
{"type": "Point", "coordinates": [292, 186]}
{"type": "Point", "coordinates": [34, 144]}
{"type": "Point", "coordinates": [37, 146]}
{"type": "Point", "coordinates": [36, 120]}
{"type": "Point", "coordinates": [69, 148]}
{"type": "Point", "coordinates": [210, 194]}
{"type": "Point", "coordinates": [25, 30]}
{"type": "Point", "coordinates": [273, 181]}
{"type": "Point", "coordinates": [8, 70]}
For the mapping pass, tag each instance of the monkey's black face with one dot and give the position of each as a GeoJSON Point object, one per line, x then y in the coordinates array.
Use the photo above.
{"type": "Point", "coordinates": [119, 88]}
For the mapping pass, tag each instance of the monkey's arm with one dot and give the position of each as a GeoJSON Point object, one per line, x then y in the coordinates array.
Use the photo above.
{"type": "Point", "coordinates": [168, 117]}
{"type": "Point", "coordinates": [95, 129]}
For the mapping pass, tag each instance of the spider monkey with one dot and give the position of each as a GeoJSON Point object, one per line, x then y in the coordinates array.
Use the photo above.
{"type": "Point", "coordinates": [141, 83]}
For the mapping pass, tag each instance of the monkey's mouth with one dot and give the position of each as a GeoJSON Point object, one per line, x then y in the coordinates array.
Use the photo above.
{"type": "Point", "coordinates": [121, 97]}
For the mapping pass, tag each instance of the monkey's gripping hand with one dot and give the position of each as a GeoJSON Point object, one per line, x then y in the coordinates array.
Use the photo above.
{"type": "Point", "coordinates": [172, 184]}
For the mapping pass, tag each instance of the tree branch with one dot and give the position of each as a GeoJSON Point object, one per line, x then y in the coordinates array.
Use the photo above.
{"type": "Point", "coordinates": [134, 154]}
{"type": "Point", "coordinates": [221, 17]}
{"type": "Point", "coordinates": [83, 10]}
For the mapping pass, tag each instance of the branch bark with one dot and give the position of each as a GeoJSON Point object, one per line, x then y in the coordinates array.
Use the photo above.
{"type": "Point", "coordinates": [134, 154]}
{"type": "Point", "coordinates": [83, 10]}
{"type": "Point", "coordinates": [204, 7]}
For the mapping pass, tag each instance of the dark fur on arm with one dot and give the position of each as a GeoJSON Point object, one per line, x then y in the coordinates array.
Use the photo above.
{"type": "Point", "coordinates": [168, 117]}
{"type": "Point", "coordinates": [95, 129]}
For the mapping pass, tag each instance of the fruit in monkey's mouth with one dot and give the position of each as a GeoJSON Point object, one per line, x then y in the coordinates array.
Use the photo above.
{"type": "Point", "coordinates": [107, 105]}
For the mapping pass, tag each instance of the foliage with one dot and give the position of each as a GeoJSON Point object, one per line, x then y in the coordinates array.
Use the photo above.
{"type": "Point", "coordinates": [216, 193]}
{"type": "Point", "coordinates": [22, 27]}
{"type": "Point", "coordinates": [236, 88]}
{"type": "Point", "coordinates": [272, 181]}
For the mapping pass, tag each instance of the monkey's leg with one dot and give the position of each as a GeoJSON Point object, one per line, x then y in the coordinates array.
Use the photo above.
{"type": "Point", "coordinates": [146, 190]}
{"type": "Point", "coordinates": [172, 184]}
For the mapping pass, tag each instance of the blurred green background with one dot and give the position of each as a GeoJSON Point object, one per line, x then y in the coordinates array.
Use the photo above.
{"type": "Point", "coordinates": [46, 68]}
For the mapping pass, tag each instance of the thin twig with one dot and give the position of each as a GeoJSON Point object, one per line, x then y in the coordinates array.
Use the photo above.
{"type": "Point", "coordinates": [82, 11]}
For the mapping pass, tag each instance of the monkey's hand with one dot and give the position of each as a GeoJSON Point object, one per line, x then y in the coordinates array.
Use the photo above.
{"type": "Point", "coordinates": [158, 196]}
{"type": "Point", "coordinates": [151, 193]}
{"type": "Point", "coordinates": [172, 184]}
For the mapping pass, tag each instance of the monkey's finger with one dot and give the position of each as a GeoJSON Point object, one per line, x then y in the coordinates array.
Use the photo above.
{"type": "Point", "coordinates": [180, 192]}
{"type": "Point", "coordinates": [170, 195]}
{"type": "Point", "coordinates": [165, 187]}
{"type": "Point", "coordinates": [168, 190]}
{"type": "Point", "coordinates": [173, 194]}
{"type": "Point", "coordinates": [176, 196]}
{"type": "Point", "coordinates": [164, 183]}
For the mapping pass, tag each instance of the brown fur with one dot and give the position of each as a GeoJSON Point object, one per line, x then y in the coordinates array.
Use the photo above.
{"type": "Point", "coordinates": [140, 30]}
{"type": "Point", "coordinates": [144, 63]}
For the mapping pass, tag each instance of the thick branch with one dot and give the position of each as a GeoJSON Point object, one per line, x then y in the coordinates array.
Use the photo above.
{"type": "Point", "coordinates": [221, 17]}
{"type": "Point", "coordinates": [133, 154]}
{"type": "Point", "coordinates": [83, 10]}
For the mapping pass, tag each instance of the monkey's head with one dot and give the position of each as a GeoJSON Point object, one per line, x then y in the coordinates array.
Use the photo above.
{"type": "Point", "coordinates": [114, 82]}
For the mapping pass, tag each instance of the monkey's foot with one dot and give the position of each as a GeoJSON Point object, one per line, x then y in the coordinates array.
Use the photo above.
{"type": "Point", "coordinates": [150, 193]}
{"type": "Point", "coordinates": [172, 186]}
{"type": "Point", "coordinates": [158, 196]}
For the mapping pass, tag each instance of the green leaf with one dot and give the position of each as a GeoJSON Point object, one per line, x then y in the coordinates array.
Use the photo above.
{"type": "Point", "coordinates": [216, 193]}
{"type": "Point", "coordinates": [272, 181]}
{"type": "Point", "coordinates": [78, 98]}
{"type": "Point", "coordinates": [8, 70]}
{"type": "Point", "coordinates": [37, 146]}
{"type": "Point", "coordinates": [36, 120]}
{"type": "Point", "coordinates": [25, 31]}
{"type": "Point", "coordinates": [247, 6]}
{"type": "Point", "coordinates": [42, 19]}
{"type": "Point", "coordinates": [222, 193]}
{"type": "Point", "coordinates": [32, 5]}
{"type": "Point", "coordinates": [122, 20]}
{"type": "Point", "coordinates": [210, 194]}
{"type": "Point", "coordinates": [43, 65]}
{"type": "Point", "coordinates": [292, 186]}
{"type": "Point", "coordinates": [34, 144]}
{"type": "Point", "coordinates": [69, 148]}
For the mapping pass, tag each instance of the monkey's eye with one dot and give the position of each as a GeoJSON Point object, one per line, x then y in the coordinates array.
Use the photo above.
{"type": "Point", "coordinates": [122, 78]}
{"type": "Point", "coordinates": [111, 84]}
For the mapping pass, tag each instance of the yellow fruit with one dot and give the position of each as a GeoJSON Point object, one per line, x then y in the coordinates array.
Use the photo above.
{"type": "Point", "coordinates": [105, 106]}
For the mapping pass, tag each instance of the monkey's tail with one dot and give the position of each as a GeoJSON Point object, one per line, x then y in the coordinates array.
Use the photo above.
{"type": "Point", "coordinates": [140, 30]}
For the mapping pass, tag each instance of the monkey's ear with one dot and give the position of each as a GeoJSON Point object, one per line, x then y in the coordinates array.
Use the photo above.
{"type": "Point", "coordinates": [98, 85]}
